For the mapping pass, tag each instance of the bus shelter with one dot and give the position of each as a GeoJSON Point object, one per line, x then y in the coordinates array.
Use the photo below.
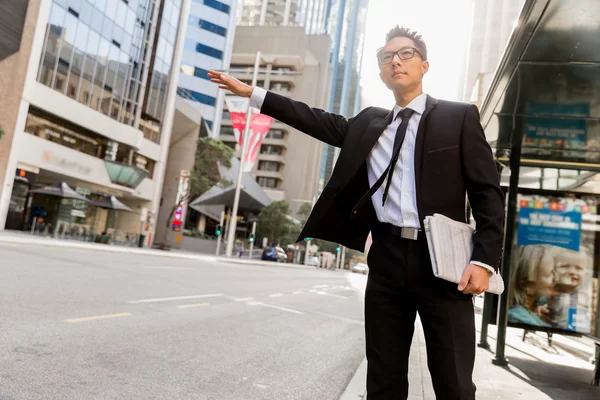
{"type": "Point", "coordinates": [542, 118]}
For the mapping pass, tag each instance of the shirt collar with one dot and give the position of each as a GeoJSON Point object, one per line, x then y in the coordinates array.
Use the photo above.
{"type": "Point", "coordinates": [418, 105]}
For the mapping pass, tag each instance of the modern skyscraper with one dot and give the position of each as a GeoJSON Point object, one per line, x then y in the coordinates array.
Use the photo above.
{"type": "Point", "coordinates": [346, 24]}
{"type": "Point", "coordinates": [493, 22]}
{"type": "Point", "coordinates": [310, 14]}
{"type": "Point", "coordinates": [89, 102]}
{"type": "Point", "coordinates": [208, 45]}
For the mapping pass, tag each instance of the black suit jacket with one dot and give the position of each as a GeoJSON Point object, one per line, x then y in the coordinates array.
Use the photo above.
{"type": "Point", "coordinates": [452, 160]}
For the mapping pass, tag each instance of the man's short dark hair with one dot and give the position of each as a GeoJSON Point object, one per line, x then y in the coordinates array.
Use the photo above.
{"type": "Point", "coordinates": [398, 31]}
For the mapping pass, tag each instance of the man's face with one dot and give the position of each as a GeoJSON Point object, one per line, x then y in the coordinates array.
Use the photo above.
{"type": "Point", "coordinates": [570, 270]}
{"type": "Point", "coordinates": [402, 75]}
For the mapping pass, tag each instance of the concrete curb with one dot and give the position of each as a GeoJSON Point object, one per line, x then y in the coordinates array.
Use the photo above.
{"type": "Point", "coordinates": [356, 389]}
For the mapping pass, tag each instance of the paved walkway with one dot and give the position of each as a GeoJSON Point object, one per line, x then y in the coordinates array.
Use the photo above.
{"type": "Point", "coordinates": [536, 371]}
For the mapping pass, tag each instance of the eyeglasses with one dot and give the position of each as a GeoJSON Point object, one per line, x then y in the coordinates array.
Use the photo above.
{"type": "Point", "coordinates": [404, 54]}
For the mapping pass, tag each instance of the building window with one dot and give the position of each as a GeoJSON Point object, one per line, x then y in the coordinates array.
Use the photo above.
{"type": "Point", "coordinates": [275, 134]}
{"type": "Point", "coordinates": [281, 86]}
{"type": "Point", "coordinates": [270, 149]}
{"type": "Point", "coordinates": [227, 130]}
{"type": "Point", "coordinates": [214, 28]}
{"type": "Point", "coordinates": [271, 166]}
{"type": "Point", "coordinates": [195, 71]}
{"type": "Point", "coordinates": [217, 5]}
{"type": "Point", "coordinates": [267, 182]}
{"type": "Point", "coordinates": [209, 51]}
{"type": "Point", "coordinates": [196, 96]}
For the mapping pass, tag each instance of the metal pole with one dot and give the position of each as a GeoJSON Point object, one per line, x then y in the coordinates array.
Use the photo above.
{"type": "Point", "coordinates": [314, 200]}
{"type": "Point", "coordinates": [219, 237]}
{"type": "Point", "coordinates": [263, 13]}
{"type": "Point", "coordinates": [343, 257]}
{"type": "Point", "coordinates": [485, 318]}
{"type": "Point", "coordinates": [511, 216]}
{"type": "Point", "coordinates": [252, 243]}
{"type": "Point", "coordinates": [33, 224]}
{"type": "Point", "coordinates": [238, 186]}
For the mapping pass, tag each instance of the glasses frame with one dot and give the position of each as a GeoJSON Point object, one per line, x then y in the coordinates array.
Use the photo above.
{"type": "Point", "coordinates": [397, 53]}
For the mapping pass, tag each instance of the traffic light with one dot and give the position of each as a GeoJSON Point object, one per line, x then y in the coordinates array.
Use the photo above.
{"type": "Point", "coordinates": [307, 239]}
{"type": "Point", "coordinates": [218, 230]}
{"type": "Point", "coordinates": [251, 238]}
{"type": "Point", "coordinates": [337, 249]}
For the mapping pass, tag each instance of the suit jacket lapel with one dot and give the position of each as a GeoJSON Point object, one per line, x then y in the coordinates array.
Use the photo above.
{"type": "Point", "coordinates": [419, 145]}
{"type": "Point", "coordinates": [365, 145]}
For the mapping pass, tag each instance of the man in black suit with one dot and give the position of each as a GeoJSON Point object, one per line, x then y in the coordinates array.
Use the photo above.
{"type": "Point", "coordinates": [394, 169]}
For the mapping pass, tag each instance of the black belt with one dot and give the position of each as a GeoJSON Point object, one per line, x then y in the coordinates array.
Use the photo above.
{"type": "Point", "coordinates": [404, 232]}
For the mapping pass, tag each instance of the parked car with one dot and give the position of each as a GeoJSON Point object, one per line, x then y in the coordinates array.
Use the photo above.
{"type": "Point", "coordinates": [360, 268]}
{"type": "Point", "coordinates": [269, 254]}
{"type": "Point", "coordinates": [281, 256]}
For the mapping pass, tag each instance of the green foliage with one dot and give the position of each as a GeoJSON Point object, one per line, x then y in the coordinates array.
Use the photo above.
{"type": "Point", "coordinates": [304, 211]}
{"type": "Point", "coordinates": [275, 224]}
{"type": "Point", "coordinates": [209, 154]}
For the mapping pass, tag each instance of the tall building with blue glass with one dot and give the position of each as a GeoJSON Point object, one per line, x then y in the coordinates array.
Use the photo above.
{"type": "Point", "coordinates": [208, 45]}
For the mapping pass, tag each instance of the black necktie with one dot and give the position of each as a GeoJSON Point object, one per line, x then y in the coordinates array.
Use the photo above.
{"type": "Point", "coordinates": [400, 134]}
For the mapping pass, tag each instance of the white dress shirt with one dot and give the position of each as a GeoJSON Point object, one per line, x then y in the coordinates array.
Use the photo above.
{"type": "Point", "coordinates": [401, 204]}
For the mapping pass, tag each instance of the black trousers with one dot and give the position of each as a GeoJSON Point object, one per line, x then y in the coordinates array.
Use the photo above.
{"type": "Point", "coordinates": [400, 285]}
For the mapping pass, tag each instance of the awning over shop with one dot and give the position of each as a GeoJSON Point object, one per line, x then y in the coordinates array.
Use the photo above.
{"type": "Point", "coordinates": [545, 96]}
{"type": "Point", "coordinates": [252, 197]}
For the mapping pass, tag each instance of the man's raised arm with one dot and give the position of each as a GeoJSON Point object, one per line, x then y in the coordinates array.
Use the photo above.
{"type": "Point", "coordinates": [326, 127]}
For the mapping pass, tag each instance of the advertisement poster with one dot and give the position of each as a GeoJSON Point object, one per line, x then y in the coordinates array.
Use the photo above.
{"type": "Point", "coordinates": [553, 274]}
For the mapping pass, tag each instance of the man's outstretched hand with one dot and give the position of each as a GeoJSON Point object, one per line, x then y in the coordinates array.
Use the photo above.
{"type": "Point", "coordinates": [230, 83]}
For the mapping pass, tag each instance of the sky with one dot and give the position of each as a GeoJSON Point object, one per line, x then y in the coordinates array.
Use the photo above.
{"type": "Point", "coordinates": [445, 27]}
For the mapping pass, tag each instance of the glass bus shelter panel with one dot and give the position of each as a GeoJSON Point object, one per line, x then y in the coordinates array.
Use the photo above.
{"type": "Point", "coordinates": [569, 31]}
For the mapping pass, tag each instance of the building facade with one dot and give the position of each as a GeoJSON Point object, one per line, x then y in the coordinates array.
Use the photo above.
{"type": "Point", "coordinates": [310, 14]}
{"type": "Point", "coordinates": [293, 64]}
{"type": "Point", "coordinates": [92, 100]}
{"type": "Point", "coordinates": [493, 22]}
{"type": "Point", "coordinates": [208, 45]}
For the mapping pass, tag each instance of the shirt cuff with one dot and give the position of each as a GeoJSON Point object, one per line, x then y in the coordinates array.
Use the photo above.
{"type": "Point", "coordinates": [258, 97]}
{"type": "Point", "coordinates": [492, 270]}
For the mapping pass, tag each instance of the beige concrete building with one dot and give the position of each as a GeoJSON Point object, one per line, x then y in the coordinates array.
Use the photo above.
{"type": "Point", "coordinates": [296, 65]}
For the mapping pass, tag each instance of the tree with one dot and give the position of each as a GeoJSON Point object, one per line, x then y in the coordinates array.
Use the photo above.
{"type": "Point", "coordinates": [205, 174]}
{"type": "Point", "coordinates": [274, 222]}
{"type": "Point", "coordinates": [304, 212]}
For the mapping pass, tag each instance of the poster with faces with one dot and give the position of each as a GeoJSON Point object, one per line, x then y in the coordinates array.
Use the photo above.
{"type": "Point", "coordinates": [554, 280]}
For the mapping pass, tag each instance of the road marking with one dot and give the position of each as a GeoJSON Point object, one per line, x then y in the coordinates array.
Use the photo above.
{"type": "Point", "coordinates": [259, 386]}
{"type": "Point", "coordinates": [257, 303]}
{"type": "Point", "coordinates": [276, 295]}
{"type": "Point", "coordinates": [161, 299]}
{"type": "Point", "coordinates": [320, 286]}
{"type": "Point", "coordinates": [193, 305]}
{"type": "Point", "coordinates": [242, 298]}
{"type": "Point", "coordinates": [97, 317]}
{"type": "Point", "coordinates": [332, 295]}
{"type": "Point", "coordinates": [298, 292]}
{"type": "Point", "coordinates": [168, 268]}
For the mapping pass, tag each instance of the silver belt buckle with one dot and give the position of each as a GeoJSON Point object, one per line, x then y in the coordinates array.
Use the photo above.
{"type": "Point", "coordinates": [410, 233]}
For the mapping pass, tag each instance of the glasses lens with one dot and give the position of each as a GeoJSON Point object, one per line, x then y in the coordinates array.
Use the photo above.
{"type": "Point", "coordinates": [386, 58]}
{"type": "Point", "coordinates": [406, 54]}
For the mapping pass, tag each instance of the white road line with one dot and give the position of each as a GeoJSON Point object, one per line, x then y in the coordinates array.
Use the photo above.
{"type": "Point", "coordinates": [298, 292]}
{"type": "Point", "coordinates": [320, 286]}
{"type": "Point", "coordinates": [97, 317]}
{"type": "Point", "coordinates": [276, 295]}
{"type": "Point", "coordinates": [242, 298]}
{"type": "Point", "coordinates": [168, 268]}
{"type": "Point", "coordinates": [158, 300]}
{"type": "Point", "coordinates": [258, 303]}
{"type": "Point", "coordinates": [333, 295]}
{"type": "Point", "coordinates": [193, 305]}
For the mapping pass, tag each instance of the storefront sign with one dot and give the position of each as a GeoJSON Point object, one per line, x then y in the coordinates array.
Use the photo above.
{"type": "Point", "coordinates": [62, 162]}
{"type": "Point", "coordinates": [558, 228]}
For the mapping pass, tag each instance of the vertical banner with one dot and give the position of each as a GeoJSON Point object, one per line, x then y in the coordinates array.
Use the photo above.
{"type": "Point", "coordinates": [552, 272]}
{"type": "Point", "coordinates": [259, 127]}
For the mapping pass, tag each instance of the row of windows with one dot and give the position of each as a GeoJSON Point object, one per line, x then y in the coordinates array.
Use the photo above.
{"type": "Point", "coordinates": [195, 71]}
{"type": "Point", "coordinates": [196, 96]}
{"type": "Point", "coordinates": [192, 45]}
{"type": "Point", "coordinates": [214, 28]}
{"type": "Point", "coordinates": [271, 166]}
{"type": "Point", "coordinates": [217, 5]}
{"type": "Point", "coordinates": [271, 183]}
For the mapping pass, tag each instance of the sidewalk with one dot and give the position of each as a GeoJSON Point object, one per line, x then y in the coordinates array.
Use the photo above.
{"type": "Point", "coordinates": [535, 371]}
{"type": "Point", "coordinates": [27, 239]}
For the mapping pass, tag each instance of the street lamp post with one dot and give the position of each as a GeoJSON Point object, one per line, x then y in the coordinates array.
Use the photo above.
{"type": "Point", "coordinates": [245, 145]}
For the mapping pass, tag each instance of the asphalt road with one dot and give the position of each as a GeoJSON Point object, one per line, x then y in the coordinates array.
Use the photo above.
{"type": "Point", "coordinates": [78, 324]}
